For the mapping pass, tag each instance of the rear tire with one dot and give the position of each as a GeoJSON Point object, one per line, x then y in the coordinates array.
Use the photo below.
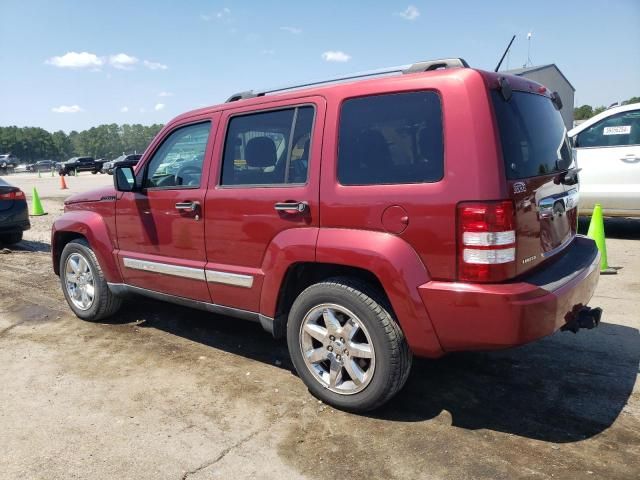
{"type": "Point", "coordinates": [351, 371]}
{"type": "Point", "coordinates": [11, 238]}
{"type": "Point", "coordinates": [83, 283]}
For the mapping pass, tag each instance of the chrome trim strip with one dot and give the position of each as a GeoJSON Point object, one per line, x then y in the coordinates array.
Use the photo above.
{"type": "Point", "coordinates": [235, 279]}
{"type": "Point", "coordinates": [123, 289]}
{"type": "Point", "coordinates": [164, 268]}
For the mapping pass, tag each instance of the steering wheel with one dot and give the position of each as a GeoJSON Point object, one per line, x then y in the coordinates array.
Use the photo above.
{"type": "Point", "coordinates": [186, 170]}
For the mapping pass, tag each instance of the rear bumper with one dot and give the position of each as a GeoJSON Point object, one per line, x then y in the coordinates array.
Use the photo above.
{"type": "Point", "coordinates": [493, 316]}
{"type": "Point", "coordinates": [15, 219]}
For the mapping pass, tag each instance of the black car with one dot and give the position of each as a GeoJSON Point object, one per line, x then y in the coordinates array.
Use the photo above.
{"type": "Point", "coordinates": [78, 164]}
{"type": "Point", "coordinates": [14, 214]}
{"type": "Point", "coordinates": [129, 160]}
{"type": "Point", "coordinates": [42, 166]}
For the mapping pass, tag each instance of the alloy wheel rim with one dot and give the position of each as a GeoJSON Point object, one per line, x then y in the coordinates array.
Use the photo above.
{"type": "Point", "coordinates": [337, 349]}
{"type": "Point", "coordinates": [79, 281]}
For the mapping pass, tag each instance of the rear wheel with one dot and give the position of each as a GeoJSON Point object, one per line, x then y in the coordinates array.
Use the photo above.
{"type": "Point", "coordinates": [346, 346]}
{"type": "Point", "coordinates": [83, 283]}
{"type": "Point", "coordinates": [11, 238]}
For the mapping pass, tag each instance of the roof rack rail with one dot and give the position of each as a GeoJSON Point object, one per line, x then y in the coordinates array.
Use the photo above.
{"type": "Point", "coordinates": [425, 66]}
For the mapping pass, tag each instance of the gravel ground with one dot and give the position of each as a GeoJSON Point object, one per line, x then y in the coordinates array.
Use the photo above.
{"type": "Point", "coordinates": [168, 392]}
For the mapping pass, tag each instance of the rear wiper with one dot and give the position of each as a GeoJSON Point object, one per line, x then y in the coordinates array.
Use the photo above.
{"type": "Point", "coordinates": [567, 177]}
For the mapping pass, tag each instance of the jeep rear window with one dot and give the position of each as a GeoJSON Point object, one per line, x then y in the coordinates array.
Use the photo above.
{"type": "Point", "coordinates": [532, 134]}
{"type": "Point", "coordinates": [391, 139]}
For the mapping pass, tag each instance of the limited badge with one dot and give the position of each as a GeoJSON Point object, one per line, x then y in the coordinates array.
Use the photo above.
{"type": "Point", "coordinates": [519, 187]}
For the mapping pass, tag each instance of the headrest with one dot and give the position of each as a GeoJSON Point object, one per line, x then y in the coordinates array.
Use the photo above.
{"type": "Point", "coordinates": [260, 152]}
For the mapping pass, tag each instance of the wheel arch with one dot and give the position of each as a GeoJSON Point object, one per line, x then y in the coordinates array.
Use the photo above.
{"type": "Point", "coordinates": [91, 227]}
{"type": "Point", "coordinates": [384, 261]}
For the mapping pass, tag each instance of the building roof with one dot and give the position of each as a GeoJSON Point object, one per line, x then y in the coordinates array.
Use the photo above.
{"type": "Point", "coordinates": [522, 71]}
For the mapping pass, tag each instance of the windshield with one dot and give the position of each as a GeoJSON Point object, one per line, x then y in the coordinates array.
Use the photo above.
{"type": "Point", "coordinates": [532, 134]}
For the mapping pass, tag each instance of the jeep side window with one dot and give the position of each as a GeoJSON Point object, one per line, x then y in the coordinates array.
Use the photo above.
{"type": "Point", "coordinates": [268, 148]}
{"type": "Point", "coordinates": [387, 139]}
{"type": "Point", "coordinates": [619, 130]}
{"type": "Point", "coordinates": [178, 161]}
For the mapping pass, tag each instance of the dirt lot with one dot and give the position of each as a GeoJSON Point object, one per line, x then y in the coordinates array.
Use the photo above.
{"type": "Point", "coordinates": [168, 392]}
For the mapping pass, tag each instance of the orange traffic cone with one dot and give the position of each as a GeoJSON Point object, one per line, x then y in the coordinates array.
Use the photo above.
{"type": "Point", "coordinates": [63, 184]}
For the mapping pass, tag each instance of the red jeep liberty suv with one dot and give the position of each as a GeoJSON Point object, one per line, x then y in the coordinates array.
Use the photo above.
{"type": "Point", "coordinates": [430, 209]}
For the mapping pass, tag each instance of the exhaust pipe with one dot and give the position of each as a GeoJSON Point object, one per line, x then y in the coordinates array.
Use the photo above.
{"type": "Point", "coordinates": [585, 317]}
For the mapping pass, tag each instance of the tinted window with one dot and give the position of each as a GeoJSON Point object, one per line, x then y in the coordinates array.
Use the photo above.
{"type": "Point", "coordinates": [388, 139]}
{"type": "Point", "coordinates": [268, 148]}
{"type": "Point", "coordinates": [618, 130]}
{"type": "Point", "coordinates": [532, 134]}
{"type": "Point", "coordinates": [178, 161]}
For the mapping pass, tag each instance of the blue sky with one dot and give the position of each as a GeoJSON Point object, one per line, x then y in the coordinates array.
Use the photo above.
{"type": "Point", "coordinates": [147, 61]}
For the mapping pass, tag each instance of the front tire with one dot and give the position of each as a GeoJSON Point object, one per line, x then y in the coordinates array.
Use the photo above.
{"type": "Point", "coordinates": [83, 283]}
{"type": "Point", "coordinates": [346, 345]}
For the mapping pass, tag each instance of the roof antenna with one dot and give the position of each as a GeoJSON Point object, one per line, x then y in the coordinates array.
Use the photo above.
{"type": "Point", "coordinates": [505, 53]}
{"type": "Point", "coordinates": [529, 63]}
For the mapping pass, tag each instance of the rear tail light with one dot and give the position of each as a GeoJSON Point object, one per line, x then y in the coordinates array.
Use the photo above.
{"type": "Point", "coordinates": [15, 195]}
{"type": "Point", "coordinates": [486, 241]}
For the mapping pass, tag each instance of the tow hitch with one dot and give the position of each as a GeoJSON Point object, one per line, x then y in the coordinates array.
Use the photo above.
{"type": "Point", "coordinates": [582, 317]}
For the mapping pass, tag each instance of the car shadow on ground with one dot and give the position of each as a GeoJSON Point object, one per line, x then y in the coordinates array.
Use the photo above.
{"type": "Point", "coordinates": [623, 228]}
{"type": "Point", "coordinates": [564, 388]}
{"type": "Point", "coordinates": [28, 246]}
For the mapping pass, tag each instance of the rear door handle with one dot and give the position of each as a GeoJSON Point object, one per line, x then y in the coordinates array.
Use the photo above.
{"type": "Point", "coordinates": [187, 206]}
{"type": "Point", "coordinates": [291, 207]}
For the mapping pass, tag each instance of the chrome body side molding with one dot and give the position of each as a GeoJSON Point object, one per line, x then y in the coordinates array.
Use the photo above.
{"type": "Point", "coordinates": [165, 268]}
{"type": "Point", "coordinates": [212, 276]}
{"type": "Point", "coordinates": [227, 278]}
{"type": "Point", "coordinates": [124, 289]}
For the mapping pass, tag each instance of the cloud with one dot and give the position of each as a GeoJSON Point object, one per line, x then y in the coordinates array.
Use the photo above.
{"type": "Point", "coordinates": [122, 61]}
{"type": "Point", "coordinates": [154, 65]}
{"type": "Point", "coordinates": [158, 107]}
{"type": "Point", "coordinates": [410, 13]}
{"type": "Point", "coordinates": [67, 109]}
{"type": "Point", "coordinates": [124, 109]}
{"type": "Point", "coordinates": [165, 94]}
{"type": "Point", "coordinates": [76, 60]}
{"type": "Point", "coordinates": [293, 30]}
{"type": "Point", "coordinates": [225, 12]}
{"type": "Point", "coordinates": [335, 56]}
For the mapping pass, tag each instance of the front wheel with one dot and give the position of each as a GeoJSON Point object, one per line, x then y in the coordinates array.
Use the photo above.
{"type": "Point", "coordinates": [346, 345]}
{"type": "Point", "coordinates": [83, 283]}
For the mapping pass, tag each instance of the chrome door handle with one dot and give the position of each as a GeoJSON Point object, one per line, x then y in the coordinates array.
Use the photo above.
{"type": "Point", "coordinates": [630, 158]}
{"type": "Point", "coordinates": [299, 207]}
{"type": "Point", "coordinates": [187, 206]}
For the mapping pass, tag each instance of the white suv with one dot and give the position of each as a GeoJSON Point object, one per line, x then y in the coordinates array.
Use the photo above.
{"type": "Point", "coordinates": [607, 150]}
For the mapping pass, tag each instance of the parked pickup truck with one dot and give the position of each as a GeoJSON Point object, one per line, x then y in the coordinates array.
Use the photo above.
{"type": "Point", "coordinates": [78, 164]}
{"type": "Point", "coordinates": [430, 210]}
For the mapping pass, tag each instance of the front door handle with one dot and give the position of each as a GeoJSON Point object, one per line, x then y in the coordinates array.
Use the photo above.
{"type": "Point", "coordinates": [630, 158]}
{"type": "Point", "coordinates": [291, 207]}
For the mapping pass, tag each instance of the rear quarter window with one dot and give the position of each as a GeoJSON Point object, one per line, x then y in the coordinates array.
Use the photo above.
{"type": "Point", "coordinates": [391, 139]}
{"type": "Point", "coordinates": [532, 135]}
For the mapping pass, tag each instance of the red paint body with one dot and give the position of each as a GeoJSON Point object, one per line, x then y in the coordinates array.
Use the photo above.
{"type": "Point", "coordinates": [405, 235]}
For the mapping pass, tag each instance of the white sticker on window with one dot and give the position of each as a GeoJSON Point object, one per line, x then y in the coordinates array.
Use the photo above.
{"type": "Point", "coordinates": [621, 130]}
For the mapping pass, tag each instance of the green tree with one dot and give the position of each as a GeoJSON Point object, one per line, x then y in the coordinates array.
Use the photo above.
{"type": "Point", "coordinates": [583, 112]}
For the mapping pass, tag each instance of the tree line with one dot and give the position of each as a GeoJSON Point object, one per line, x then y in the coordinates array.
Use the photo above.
{"type": "Point", "coordinates": [104, 141]}
{"type": "Point", "coordinates": [587, 111]}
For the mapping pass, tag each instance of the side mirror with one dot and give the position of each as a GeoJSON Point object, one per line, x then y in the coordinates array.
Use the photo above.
{"type": "Point", "coordinates": [124, 179]}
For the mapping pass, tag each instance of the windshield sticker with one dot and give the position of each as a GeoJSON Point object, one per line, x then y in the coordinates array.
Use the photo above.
{"type": "Point", "coordinates": [621, 130]}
